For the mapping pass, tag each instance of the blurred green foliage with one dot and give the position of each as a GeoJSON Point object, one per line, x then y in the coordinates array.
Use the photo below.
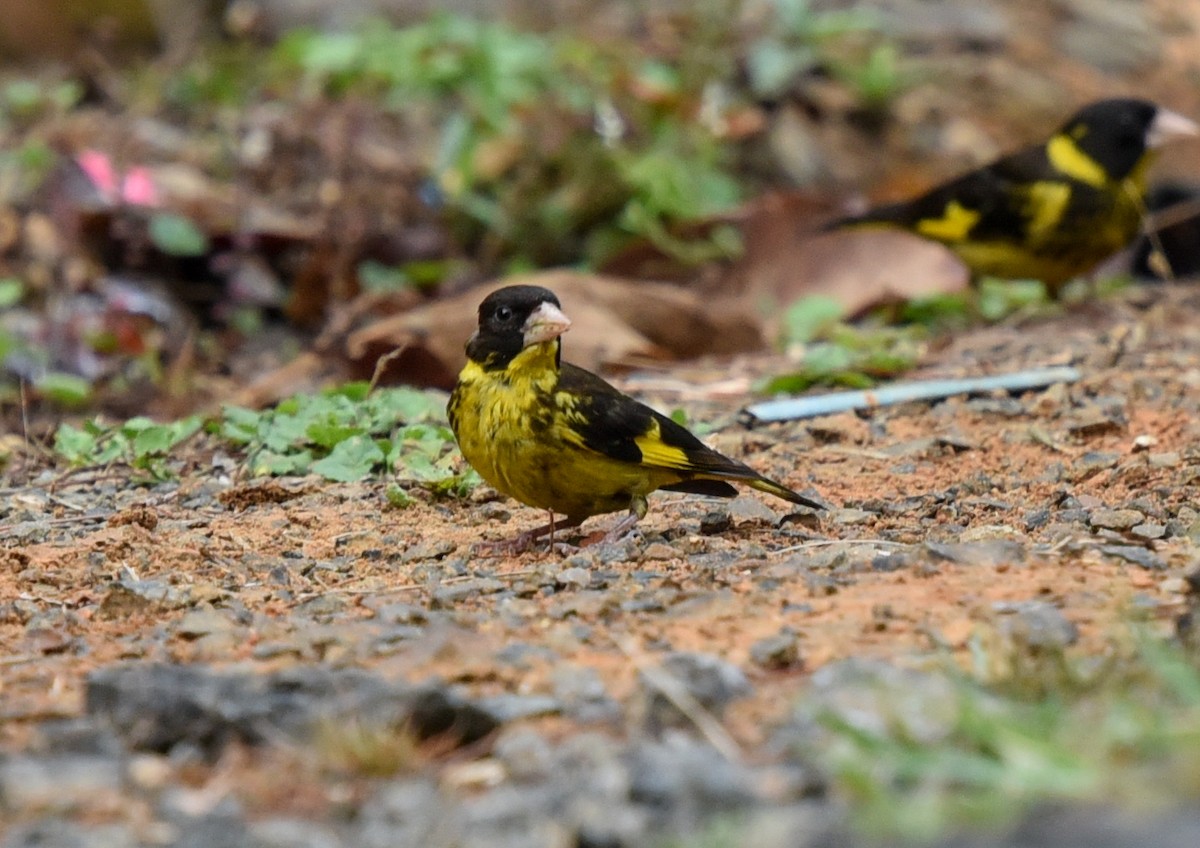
{"type": "Point", "coordinates": [555, 148]}
{"type": "Point", "coordinates": [1030, 726]}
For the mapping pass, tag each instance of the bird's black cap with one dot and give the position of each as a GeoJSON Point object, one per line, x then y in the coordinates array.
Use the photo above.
{"type": "Point", "coordinates": [1114, 133]}
{"type": "Point", "coordinates": [502, 317]}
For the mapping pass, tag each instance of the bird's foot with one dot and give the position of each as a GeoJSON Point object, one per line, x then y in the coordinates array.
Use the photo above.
{"type": "Point", "coordinates": [619, 530]}
{"type": "Point", "coordinates": [526, 541]}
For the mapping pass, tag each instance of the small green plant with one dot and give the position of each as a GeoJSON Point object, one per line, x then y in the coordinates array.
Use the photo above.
{"type": "Point", "coordinates": [1120, 729]}
{"type": "Point", "coordinates": [139, 443]}
{"type": "Point", "coordinates": [349, 433]}
{"type": "Point", "coordinates": [833, 353]}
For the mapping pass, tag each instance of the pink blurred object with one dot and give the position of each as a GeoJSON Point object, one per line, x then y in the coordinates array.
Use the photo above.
{"type": "Point", "coordinates": [137, 186]}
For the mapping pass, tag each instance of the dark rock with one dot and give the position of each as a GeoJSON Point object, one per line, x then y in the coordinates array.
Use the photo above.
{"type": "Point", "coordinates": [716, 522]}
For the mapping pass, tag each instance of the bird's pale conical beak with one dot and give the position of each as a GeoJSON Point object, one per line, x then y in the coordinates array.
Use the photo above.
{"type": "Point", "coordinates": [545, 323]}
{"type": "Point", "coordinates": [1168, 125]}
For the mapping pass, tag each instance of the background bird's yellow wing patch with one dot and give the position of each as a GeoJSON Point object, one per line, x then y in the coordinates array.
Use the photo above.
{"type": "Point", "coordinates": [954, 225]}
{"type": "Point", "coordinates": [1047, 201]}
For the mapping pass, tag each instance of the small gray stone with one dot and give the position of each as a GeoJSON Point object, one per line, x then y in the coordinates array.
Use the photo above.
{"type": "Point", "coordinates": [323, 607]}
{"type": "Point", "coordinates": [1093, 463]}
{"type": "Point", "coordinates": [660, 552]}
{"type": "Point", "coordinates": [579, 578]}
{"type": "Point", "coordinates": [583, 696]}
{"type": "Point", "coordinates": [203, 622]}
{"type": "Point", "coordinates": [1138, 556]}
{"type": "Point", "coordinates": [1116, 519]}
{"type": "Point", "coordinates": [1037, 624]}
{"type": "Point", "coordinates": [62, 782]}
{"type": "Point", "coordinates": [747, 509]}
{"type": "Point", "coordinates": [988, 552]}
{"type": "Point", "coordinates": [1166, 459]}
{"type": "Point", "coordinates": [709, 680]}
{"type": "Point", "coordinates": [776, 652]}
{"type": "Point", "coordinates": [506, 706]}
{"type": "Point", "coordinates": [1149, 530]}
{"type": "Point", "coordinates": [429, 549]}
{"type": "Point", "coordinates": [525, 753]}
{"type": "Point", "coordinates": [448, 596]}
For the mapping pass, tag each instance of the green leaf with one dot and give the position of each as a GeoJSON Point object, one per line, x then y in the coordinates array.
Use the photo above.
{"type": "Point", "coordinates": [73, 444]}
{"type": "Point", "coordinates": [327, 435]}
{"type": "Point", "coordinates": [350, 461]}
{"type": "Point", "coordinates": [176, 235]}
{"type": "Point", "coordinates": [398, 498]}
{"type": "Point", "coordinates": [12, 291]}
{"type": "Point", "coordinates": [65, 389]}
{"type": "Point", "coordinates": [808, 318]}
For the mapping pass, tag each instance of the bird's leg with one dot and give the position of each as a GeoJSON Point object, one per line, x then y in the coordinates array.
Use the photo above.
{"type": "Point", "coordinates": [637, 511]}
{"type": "Point", "coordinates": [618, 530]}
{"type": "Point", "coordinates": [524, 541]}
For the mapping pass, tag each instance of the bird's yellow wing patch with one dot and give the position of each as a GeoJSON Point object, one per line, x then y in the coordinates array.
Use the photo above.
{"type": "Point", "coordinates": [657, 452]}
{"type": "Point", "coordinates": [1046, 204]}
{"type": "Point", "coordinates": [1068, 159]}
{"type": "Point", "coordinates": [954, 225]}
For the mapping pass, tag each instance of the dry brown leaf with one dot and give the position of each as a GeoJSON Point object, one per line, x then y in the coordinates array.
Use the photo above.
{"type": "Point", "coordinates": [787, 258]}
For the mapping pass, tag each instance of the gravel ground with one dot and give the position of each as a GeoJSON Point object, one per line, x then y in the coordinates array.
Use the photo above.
{"type": "Point", "coordinates": [293, 663]}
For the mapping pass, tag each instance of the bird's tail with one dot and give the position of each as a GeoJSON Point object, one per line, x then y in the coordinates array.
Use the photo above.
{"type": "Point", "coordinates": [780, 491]}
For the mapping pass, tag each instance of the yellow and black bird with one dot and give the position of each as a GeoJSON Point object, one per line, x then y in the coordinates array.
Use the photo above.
{"type": "Point", "coordinates": [1052, 211]}
{"type": "Point", "coordinates": [559, 438]}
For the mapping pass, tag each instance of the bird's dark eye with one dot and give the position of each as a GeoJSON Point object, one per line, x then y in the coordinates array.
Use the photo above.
{"type": "Point", "coordinates": [503, 313]}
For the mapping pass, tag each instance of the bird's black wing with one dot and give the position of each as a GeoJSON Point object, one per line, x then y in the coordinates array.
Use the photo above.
{"type": "Point", "coordinates": [616, 425]}
{"type": "Point", "coordinates": [997, 193]}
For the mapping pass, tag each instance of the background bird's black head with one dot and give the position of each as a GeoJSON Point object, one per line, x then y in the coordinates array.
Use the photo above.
{"type": "Point", "coordinates": [502, 317]}
{"type": "Point", "coordinates": [1113, 133]}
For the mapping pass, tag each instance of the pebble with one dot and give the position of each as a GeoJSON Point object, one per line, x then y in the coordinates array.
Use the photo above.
{"type": "Point", "coordinates": [988, 552]}
{"type": "Point", "coordinates": [448, 596]}
{"type": "Point", "coordinates": [203, 622]}
{"type": "Point", "coordinates": [1092, 463]}
{"type": "Point", "coordinates": [850, 517]}
{"type": "Point", "coordinates": [716, 522]}
{"type": "Point", "coordinates": [748, 509]}
{"type": "Point", "coordinates": [61, 782]}
{"type": "Point", "coordinates": [1166, 459]}
{"type": "Point", "coordinates": [777, 652]}
{"type": "Point", "coordinates": [525, 754]}
{"type": "Point", "coordinates": [710, 681]}
{"type": "Point", "coordinates": [579, 578]}
{"type": "Point", "coordinates": [1036, 625]}
{"type": "Point", "coordinates": [1136, 555]}
{"type": "Point", "coordinates": [1149, 530]}
{"type": "Point", "coordinates": [1116, 519]}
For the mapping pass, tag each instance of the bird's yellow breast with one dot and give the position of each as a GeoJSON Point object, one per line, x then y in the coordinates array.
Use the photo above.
{"type": "Point", "coordinates": [514, 426]}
